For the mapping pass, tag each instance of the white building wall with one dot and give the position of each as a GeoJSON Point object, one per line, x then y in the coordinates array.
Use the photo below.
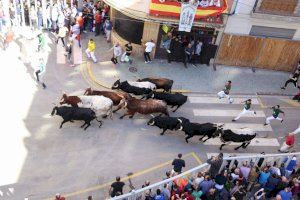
{"type": "Point", "coordinates": [241, 22]}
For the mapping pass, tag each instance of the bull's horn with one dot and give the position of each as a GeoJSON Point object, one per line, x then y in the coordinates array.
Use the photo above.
{"type": "Point", "coordinates": [220, 126]}
{"type": "Point", "coordinates": [179, 120]}
{"type": "Point", "coordinates": [152, 115]}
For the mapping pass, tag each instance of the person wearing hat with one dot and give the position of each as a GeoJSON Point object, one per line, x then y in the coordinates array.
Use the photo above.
{"type": "Point", "coordinates": [276, 112]}
{"type": "Point", "coordinates": [246, 110]}
{"type": "Point", "coordinates": [225, 92]}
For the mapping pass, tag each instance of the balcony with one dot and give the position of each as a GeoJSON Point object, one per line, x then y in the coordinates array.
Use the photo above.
{"type": "Point", "coordinates": [283, 10]}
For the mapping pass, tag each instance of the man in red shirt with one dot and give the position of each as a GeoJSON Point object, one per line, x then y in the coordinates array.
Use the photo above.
{"type": "Point", "coordinates": [289, 143]}
{"type": "Point", "coordinates": [79, 20]}
{"type": "Point", "coordinates": [98, 19]}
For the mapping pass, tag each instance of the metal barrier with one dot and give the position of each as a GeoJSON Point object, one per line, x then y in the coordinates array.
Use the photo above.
{"type": "Point", "coordinates": [228, 161]}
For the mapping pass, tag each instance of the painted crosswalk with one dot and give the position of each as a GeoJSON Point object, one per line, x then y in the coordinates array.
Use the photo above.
{"type": "Point", "coordinates": [207, 107]}
{"type": "Point", "coordinates": [254, 127]}
{"type": "Point", "coordinates": [271, 142]}
{"type": "Point", "coordinates": [224, 113]}
{"type": "Point", "coordinates": [216, 100]}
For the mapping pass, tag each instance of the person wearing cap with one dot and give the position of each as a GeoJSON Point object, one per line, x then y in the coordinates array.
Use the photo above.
{"type": "Point", "coordinates": [288, 143]}
{"type": "Point", "coordinates": [59, 197]}
{"type": "Point", "coordinates": [276, 112]}
{"type": "Point", "coordinates": [225, 92]}
{"type": "Point", "coordinates": [90, 51]}
{"type": "Point", "coordinates": [246, 110]}
{"type": "Point", "coordinates": [148, 49]}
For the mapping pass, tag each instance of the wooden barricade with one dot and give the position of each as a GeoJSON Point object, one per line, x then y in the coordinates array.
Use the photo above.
{"type": "Point", "coordinates": [259, 52]}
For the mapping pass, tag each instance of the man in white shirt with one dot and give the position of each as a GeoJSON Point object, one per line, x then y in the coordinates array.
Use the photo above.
{"type": "Point", "coordinates": [117, 53]}
{"type": "Point", "coordinates": [149, 47]}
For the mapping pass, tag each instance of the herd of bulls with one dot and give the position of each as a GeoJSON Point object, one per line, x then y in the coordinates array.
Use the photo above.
{"type": "Point", "coordinates": [94, 103]}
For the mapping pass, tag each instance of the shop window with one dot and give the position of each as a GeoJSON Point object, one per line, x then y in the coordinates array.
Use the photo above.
{"type": "Point", "coordinates": [128, 28]}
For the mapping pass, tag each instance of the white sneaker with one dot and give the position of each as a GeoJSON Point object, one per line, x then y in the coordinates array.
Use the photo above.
{"type": "Point", "coordinates": [146, 62]}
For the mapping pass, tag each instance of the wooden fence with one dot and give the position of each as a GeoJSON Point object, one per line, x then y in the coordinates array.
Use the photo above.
{"type": "Point", "coordinates": [266, 53]}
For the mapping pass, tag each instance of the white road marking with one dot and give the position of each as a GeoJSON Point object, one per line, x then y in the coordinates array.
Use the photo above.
{"type": "Point", "coordinates": [216, 100]}
{"type": "Point", "coordinates": [254, 127]}
{"type": "Point", "coordinates": [257, 142]}
{"type": "Point", "coordinates": [224, 113]}
{"type": "Point", "coordinates": [209, 155]}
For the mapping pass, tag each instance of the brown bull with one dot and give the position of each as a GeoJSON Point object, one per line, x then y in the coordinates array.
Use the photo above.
{"type": "Point", "coordinates": [118, 99]}
{"type": "Point", "coordinates": [70, 100]}
{"type": "Point", "coordinates": [144, 107]}
{"type": "Point", "coordinates": [161, 83]}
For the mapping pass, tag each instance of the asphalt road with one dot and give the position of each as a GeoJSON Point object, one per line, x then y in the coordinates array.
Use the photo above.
{"type": "Point", "coordinates": [38, 159]}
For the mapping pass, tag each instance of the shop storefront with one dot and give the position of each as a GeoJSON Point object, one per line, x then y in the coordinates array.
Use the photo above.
{"type": "Point", "coordinates": [161, 23]}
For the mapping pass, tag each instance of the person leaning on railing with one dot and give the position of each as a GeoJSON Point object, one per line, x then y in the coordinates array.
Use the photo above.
{"type": "Point", "coordinates": [215, 165]}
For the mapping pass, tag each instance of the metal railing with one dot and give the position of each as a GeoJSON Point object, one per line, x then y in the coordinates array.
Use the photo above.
{"type": "Point", "coordinates": [228, 161]}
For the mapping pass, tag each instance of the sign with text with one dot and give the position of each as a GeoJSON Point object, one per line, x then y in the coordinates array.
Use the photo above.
{"type": "Point", "coordinates": [187, 15]}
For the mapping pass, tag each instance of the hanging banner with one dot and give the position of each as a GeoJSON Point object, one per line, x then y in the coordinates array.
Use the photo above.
{"type": "Point", "coordinates": [187, 15]}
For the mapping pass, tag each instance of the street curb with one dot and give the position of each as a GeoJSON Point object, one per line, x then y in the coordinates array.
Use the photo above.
{"type": "Point", "coordinates": [106, 86]}
{"type": "Point", "coordinates": [93, 78]}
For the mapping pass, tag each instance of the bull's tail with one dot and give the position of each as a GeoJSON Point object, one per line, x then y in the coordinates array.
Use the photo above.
{"type": "Point", "coordinates": [110, 112]}
{"type": "Point", "coordinates": [170, 85]}
{"type": "Point", "coordinates": [100, 122]}
{"type": "Point", "coordinates": [54, 110]}
{"type": "Point", "coordinates": [166, 112]}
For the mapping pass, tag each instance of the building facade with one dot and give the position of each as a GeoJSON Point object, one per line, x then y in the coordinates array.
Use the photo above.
{"type": "Point", "coordinates": [143, 20]}
{"type": "Point", "coordinates": [262, 34]}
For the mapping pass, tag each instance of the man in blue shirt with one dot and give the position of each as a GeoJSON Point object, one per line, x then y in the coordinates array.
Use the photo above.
{"type": "Point", "coordinates": [286, 194]}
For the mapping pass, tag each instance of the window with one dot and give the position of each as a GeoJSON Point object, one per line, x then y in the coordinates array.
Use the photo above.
{"type": "Point", "coordinates": [128, 28]}
{"type": "Point", "coordinates": [272, 32]}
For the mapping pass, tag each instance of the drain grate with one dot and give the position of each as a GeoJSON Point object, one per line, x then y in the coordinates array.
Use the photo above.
{"type": "Point", "coordinates": [133, 69]}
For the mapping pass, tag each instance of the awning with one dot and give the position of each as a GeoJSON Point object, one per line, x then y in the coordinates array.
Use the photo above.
{"type": "Point", "coordinates": [159, 8]}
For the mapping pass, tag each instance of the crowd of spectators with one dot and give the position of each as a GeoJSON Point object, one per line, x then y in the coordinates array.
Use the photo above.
{"type": "Point", "coordinates": [239, 181]}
